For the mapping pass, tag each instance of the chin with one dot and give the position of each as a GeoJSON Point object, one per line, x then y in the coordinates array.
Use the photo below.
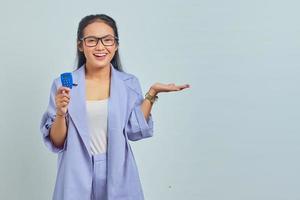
{"type": "Point", "coordinates": [101, 64]}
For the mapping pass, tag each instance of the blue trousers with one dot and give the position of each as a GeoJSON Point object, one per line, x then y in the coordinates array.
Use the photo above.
{"type": "Point", "coordinates": [99, 188]}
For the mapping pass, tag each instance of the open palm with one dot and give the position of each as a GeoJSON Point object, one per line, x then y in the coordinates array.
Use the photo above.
{"type": "Point", "coordinates": [160, 87]}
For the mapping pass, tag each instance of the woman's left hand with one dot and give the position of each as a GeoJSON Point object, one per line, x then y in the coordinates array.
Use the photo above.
{"type": "Point", "coordinates": [160, 87]}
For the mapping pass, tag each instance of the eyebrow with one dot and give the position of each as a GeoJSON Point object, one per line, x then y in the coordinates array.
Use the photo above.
{"type": "Point", "coordinates": [99, 37]}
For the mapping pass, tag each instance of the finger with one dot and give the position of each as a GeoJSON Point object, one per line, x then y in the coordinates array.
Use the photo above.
{"type": "Point", "coordinates": [180, 87]}
{"type": "Point", "coordinates": [64, 104]}
{"type": "Point", "coordinates": [177, 88]}
{"type": "Point", "coordinates": [64, 101]}
{"type": "Point", "coordinates": [62, 96]}
{"type": "Point", "coordinates": [68, 91]}
{"type": "Point", "coordinates": [63, 90]}
{"type": "Point", "coordinates": [171, 84]}
{"type": "Point", "coordinates": [60, 89]}
{"type": "Point", "coordinates": [66, 98]}
{"type": "Point", "coordinates": [65, 95]}
{"type": "Point", "coordinates": [183, 86]}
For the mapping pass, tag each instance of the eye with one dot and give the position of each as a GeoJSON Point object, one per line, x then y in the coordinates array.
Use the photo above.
{"type": "Point", "coordinates": [108, 39]}
{"type": "Point", "coordinates": [91, 39]}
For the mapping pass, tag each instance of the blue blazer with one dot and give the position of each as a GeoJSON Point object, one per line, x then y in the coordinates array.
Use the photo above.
{"type": "Point", "coordinates": [125, 122]}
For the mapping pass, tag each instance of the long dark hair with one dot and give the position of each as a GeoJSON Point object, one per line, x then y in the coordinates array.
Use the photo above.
{"type": "Point", "coordinates": [116, 62]}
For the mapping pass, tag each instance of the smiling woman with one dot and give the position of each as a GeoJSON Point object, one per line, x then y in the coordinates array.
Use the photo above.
{"type": "Point", "coordinates": [92, 29]}
{"type": "Point", "coordinates": [90, 125]}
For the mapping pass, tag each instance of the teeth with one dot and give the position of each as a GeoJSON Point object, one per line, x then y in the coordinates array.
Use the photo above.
{"type": "Point", "coordinates": [100, 54]}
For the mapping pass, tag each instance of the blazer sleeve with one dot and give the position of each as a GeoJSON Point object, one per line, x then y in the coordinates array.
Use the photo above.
{"type": "Point", "coordinates": [137, 126]}
{"type": "Point", "coordinates": [47, 121]}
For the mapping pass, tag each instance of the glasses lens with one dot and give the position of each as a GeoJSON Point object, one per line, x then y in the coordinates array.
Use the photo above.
{"type": "Point", "coordinates": [90, 41]}
{"type": "Point", "coordinates": [108, 41]}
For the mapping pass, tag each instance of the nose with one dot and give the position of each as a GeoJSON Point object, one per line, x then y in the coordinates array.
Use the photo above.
{"type": "Point", "coordinates": [100, 45]}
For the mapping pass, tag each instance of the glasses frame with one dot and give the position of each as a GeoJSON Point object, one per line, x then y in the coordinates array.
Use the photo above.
{"type": "Point", "coordinates": [116, 39]}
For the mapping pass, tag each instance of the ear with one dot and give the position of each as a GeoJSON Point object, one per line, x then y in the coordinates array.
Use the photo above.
{"type": "Point", "coordinates": [79, 46]}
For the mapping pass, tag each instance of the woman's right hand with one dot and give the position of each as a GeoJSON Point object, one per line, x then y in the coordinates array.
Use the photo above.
{"type": "Point", "coordinates": [62, 100]}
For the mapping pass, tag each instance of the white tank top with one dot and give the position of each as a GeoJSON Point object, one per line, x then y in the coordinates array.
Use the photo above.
{"type": "Point", "coordinates": [97, 122]}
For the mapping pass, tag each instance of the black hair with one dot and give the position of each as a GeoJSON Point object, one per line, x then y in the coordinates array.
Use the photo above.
{"type": "Point", "coordinates": [116, 62]}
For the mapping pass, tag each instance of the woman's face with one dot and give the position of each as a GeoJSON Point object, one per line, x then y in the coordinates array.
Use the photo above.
{"type": "Point", "coordinates": [100, 55]}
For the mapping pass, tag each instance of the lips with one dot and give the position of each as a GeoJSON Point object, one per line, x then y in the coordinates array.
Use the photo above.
{"type": "Point", "coordinates": [100, 56]}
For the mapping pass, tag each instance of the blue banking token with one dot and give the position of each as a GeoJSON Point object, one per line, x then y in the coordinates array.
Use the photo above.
{"type": "Point", "coordinates": [66, 80]}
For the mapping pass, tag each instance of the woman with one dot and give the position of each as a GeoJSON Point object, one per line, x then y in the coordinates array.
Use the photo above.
{"type": "Point", "coordinates": [90, 125]}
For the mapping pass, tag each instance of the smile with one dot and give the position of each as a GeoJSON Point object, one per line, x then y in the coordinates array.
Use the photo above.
{"type": "Point", "coordinates": [100, 56]}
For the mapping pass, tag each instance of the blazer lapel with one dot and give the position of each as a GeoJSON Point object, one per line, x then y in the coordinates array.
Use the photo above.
{"type": "Point", "coordinates": [77, 106]}
{"type": "Point", "coordinates": [116, 119]}
{"type": "Point", "coordinates": [117, 98]}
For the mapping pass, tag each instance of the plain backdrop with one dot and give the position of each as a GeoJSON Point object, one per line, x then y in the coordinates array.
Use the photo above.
{"type": "Point", "coordinates": [234, 135]}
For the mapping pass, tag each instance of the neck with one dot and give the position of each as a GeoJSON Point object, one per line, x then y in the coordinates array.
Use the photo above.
{"type": "Point", "coordinates": [96, 73]}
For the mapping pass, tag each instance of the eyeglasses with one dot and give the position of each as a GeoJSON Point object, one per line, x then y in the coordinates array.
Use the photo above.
{"type": "Point", "coordinates": [92, 41]}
